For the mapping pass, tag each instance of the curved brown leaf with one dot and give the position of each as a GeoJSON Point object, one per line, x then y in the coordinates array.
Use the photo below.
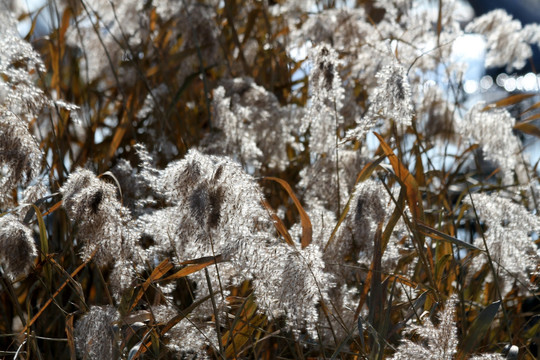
{"type": "Point", "coordinates": [158, 273]}
{"type": "Point", "coordinates": [405, 177]}
{"type": "Point", "coordinates": [307, 230]}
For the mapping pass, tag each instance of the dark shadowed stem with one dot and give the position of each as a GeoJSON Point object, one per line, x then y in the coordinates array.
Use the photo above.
{"type": "Point", "coordinates": [11, 292]}
{"type": "Point", "coordinates": [84, 94]}
{"type": "Point", "coordinates": [48, 289]}
{"type": "Point", "coordinates": [97, 30]}
{"type": "Point", "coordinates": [183, 315]}
{"type": "Point", "coordinates": [323, 305]}
{"type": "Point", "coordinates": [386, 321]}
{"type": "Point", "coordinates": [35, 345]}
{"type": "Point", "coordinates": [201, 69]}
{"type": "Point", "coordinates": [135, 59]}
{"type": "Point", "coordinates": [460, 287]}
{"type": "Point", "coordinates": [425, 52]}
{"type": "Point", "coordinates": [10, 353]}
{"type": "Point", "coordinates": [205, 82]}
{"type": "Point", "coordinates": [423, 148]}
{"type": "Point", "coordinates": [325, 312]}
{"type": "Point", "coordinates": [275, 44]}
{"type": "Point", "coordinates": [62, 168]}
{"type": "Point", "coordinates": [299, 350]}
{"type": "Point", "coordinates": [492, 267]}
{"type": "Point", "coordinates": [217, 273]}
{"type": "Point", "coordinates": [375, 298]}
{"type": "Point", "coordinates": [77, 286]}
{"type": "Point", "coordinates": [337, 157]}
{"type": "Point", "coordinates": [223, 47]}
{"type": "Point", "coordinates": [341, 322]}
{"type": "Point", "coordinates": [216, 314]}
{"type": "Point", "coordinates": [252, 345]}
{"type": "Point", "coordinates": [105, 289]}
{"type": "Point", "coordinates": [414, 312]}
{"type": "Point", "coordinates": [232, 325]}
{"type": "Point", "coordinates": [53, 10]}
{"type": "Point", "coordinates": [38, 337]}
{"type": "Point", "coordinates": [319, 341]}
{"type": "Point", "coordinates": [220, 288]}
{"type": "Point", "coordinates": [235, 37]}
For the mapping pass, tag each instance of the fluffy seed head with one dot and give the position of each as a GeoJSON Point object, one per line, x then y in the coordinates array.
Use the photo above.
{"type": "Point", "coordinates": [103, 223]}
{"type": "Point", "coordinates": [17, 248]}
{"type": "Point", "coordinates": [94, 333]}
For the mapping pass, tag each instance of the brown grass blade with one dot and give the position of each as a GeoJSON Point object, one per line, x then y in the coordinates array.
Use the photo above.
{"type": "Point", "coordinates": [307, 230]}
{"type": "Point", "coordinates": [62, 30]}
{"type": "Point", "coordinates": [280, 226]}
{"type": "Point", "coordinates": [366, 172]}
{"type": "Point", "coordinates": [511, 100]}
{"type": "Point", "coordinates": [414, 200]}
{"type": "Point", "coordinates": [245, 324]}
{"type": "Point", "coordinates": [405, 177]}
{"type": "Point", "coordinates": [532, 107]}
{"type": "Point", "coordinates": [53, 208]}
{"type": "Point", "coordinates": [531, 118]}
{"type": "Point", "coordinates": [439, 23]}
{"type": "Point", "coordinates": [158, 273]}
{"type": "Point", "coordinates": [528, 128]}
{"type": "Point", "coordinates": [201, 260]}
{"type": "Point", "coordinates": [55, 78]}
{"type": "Point", "coordinates": [44, 241]}
{"type": "Point", "coordinates": [340, 221]}
{"type": "Point", "coordinates": [403, 280]}
{"type": "Point", "coordinates": [35, 19]}
{"type": "Point", "coordinates": [190, 270]}
{"type": "Point", "coordinates": [69, 333]}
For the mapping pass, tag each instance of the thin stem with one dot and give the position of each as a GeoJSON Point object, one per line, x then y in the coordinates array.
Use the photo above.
{"type": "Point", "coordinates": [492, 267]}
